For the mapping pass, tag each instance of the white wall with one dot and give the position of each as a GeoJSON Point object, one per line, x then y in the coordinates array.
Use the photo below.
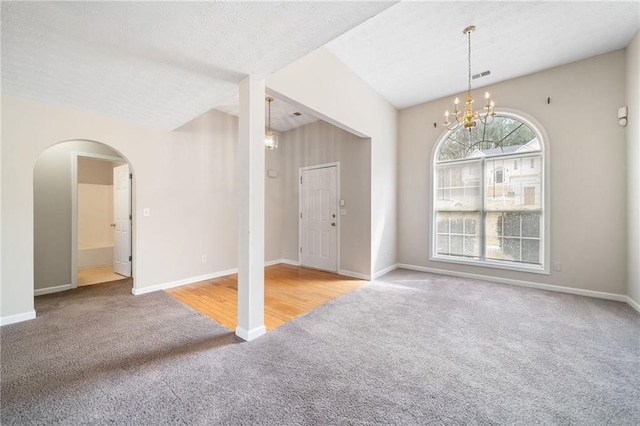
{"type": "Point", "coordinates": [588, 176]}
{"type": "Point", "coordinates": [334, 93]}
{"type": "Point", "coordinates": [633, 167]}
{"type": "Point", "coordinates": [95, 215]}
{"type": "Point", "coordinates": [322, 143]}
{"type": "Point", "coordinates": [95, 202]}
{"type": "Point", "coordinates": [186, 177]}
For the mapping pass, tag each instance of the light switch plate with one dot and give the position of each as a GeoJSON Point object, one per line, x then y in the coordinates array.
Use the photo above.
{"type": "Point", "coordinates": [146, 211]}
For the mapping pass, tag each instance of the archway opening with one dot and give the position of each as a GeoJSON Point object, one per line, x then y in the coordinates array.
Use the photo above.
{"type": "Point", "coordinates": [83, 218]}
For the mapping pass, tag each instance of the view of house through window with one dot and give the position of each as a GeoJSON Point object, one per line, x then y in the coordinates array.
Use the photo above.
{"type": "Point", "coordinates": [488, 195]}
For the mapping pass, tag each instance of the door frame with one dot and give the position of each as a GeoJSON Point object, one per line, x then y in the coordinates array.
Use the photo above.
{"type": "Point", "coordinates": [338, 198]}
{"type": "Point", "coordinates": [74, 207]}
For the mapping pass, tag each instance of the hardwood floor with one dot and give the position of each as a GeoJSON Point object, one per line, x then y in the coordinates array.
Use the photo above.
{"type": "Point", "coordinates": [289, 292]}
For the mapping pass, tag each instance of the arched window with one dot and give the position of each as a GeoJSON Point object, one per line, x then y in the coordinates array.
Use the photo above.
{"type": "Point", "coordinates": [489, 195]}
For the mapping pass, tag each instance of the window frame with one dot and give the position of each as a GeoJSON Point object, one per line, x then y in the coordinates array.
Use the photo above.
{"type": "Point", "coordinates": [545, 222]}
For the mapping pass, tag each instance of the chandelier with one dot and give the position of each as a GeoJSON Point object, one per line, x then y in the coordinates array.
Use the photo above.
{"type": "Point", "coordinates": [468, 117]}
{"type": "Point", "coordinates": [270, 138]}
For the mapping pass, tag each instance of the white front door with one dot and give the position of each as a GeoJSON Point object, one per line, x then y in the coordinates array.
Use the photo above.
{"type": "Point", "coordinates": [318, 218]}
{"type": "Point", "coordinates": [122, 216]}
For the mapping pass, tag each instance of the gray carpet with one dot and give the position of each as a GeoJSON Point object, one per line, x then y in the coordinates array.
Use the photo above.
{"type": "Point", "coordinates": [411, 348]}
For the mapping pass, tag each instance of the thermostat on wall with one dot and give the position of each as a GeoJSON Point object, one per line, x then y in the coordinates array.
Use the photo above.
{"type": "Point", "coordinates": [623, 112]}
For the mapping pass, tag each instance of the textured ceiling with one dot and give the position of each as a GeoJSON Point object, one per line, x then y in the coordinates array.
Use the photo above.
{"type": "Point", "coordinates": [165, 63]}
{"type": "Point", "coordinates": [283, 116]}
{"type": "Point", "coordinates": [159, 63]}
{"type": "Point", "coordinates": [415, 52]}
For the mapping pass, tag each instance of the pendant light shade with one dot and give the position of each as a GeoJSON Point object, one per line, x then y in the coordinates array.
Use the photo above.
{"type": "Point", "coordinates": [270, 137]}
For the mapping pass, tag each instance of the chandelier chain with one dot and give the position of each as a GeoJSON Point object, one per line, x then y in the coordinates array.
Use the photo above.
{"type": "Point", "coordinates": [469, 59]}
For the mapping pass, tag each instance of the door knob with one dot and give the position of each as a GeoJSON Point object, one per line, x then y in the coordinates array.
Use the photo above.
{"type": "Point", "coordinates": [333, 224]}
{"type": "Point", "coordinates": [113, 224]}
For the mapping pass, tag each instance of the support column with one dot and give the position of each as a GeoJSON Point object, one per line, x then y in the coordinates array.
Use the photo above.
{"type": "Point", "coordinates": [251, 210]}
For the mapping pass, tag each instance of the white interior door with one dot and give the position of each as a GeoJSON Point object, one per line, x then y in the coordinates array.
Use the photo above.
{"type": "Point", "coordinates": [318, 218]}
{"type": "Point", "coordinates": [122, 216]}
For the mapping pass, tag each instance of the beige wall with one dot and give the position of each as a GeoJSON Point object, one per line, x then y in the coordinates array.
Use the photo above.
{"type": "Point", "coordinates": [322, 143]}
{"type": "Point", "coordinates": [588, 176]}
{"type": "Point", "coordinates": [273, 206]}
{"type": "Point", "coordinates": [186, 177]}
{"type": "Point", "coordinates": [95, 171]}
{"type": "Point", "coordinates": [334, 93]}
{"type": "Point", "coordinates": [633, 167]}
{"type": "Point", "coordinates": [52, 211]}
{"type": "Point", "coordinates": [95, 216]}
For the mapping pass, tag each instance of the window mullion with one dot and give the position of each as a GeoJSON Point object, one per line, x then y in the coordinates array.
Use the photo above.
{"type": "Point", "coordinates": [483, 213]}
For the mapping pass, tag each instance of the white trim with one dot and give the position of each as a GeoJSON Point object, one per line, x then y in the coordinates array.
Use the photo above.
{"type": "Point", "coordinates": [184, 281]}
{"type": "Point", "coordinates": [54, 289]}
{"type": "Point", "coordinates": [354, 274]}
{"type": "Point", "coordinates": [385, 271]}
{"type": "Point", "coordinates": [273, 262]}
{"type": "Point", "coordinates": [249, 335]}
{"type": "Point", "coordinates": [335, 164]}
{"type": "Point", "coordinates": [12, 319]}
{"type": "Point", "coordinates": [635, 305]}
{"type": "Point", "coordinates": [74, 206]}
{"type": "Point", "coordinates": [520, 283]}
{"type": "Point", "coordinates": [290, 262]}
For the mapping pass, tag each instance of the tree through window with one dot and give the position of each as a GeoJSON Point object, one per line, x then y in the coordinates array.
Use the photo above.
{"type": "Point", "coordinates": [486, 208]}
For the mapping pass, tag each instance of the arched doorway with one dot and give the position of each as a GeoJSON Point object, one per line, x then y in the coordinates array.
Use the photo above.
{"type": "Point", "coordinates": [74, 203]}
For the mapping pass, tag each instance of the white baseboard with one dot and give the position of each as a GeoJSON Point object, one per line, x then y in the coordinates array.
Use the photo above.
{"type": "Point", "coordinates": [184, 281]}
{"type": "Point", "coordinates": [354, 274]}
{"type": "Point", "coordinates": [635, 305]}
{"type": "Point", "coordinates": [249, 335]}
{"type": "Point", "coordinates": [290, 262]}
{"type": "Point", "coordinates": [54, 289]}
{"type": "Point", "coordinates": [520, 283]}
{"type": "Point", "coordinates": [12, 319]}
{"type": "Point", "coordinates": [385, 271]}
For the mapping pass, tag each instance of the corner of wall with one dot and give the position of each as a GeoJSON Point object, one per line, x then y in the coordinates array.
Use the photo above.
{"type": "Point", "coordinates": [633, 170]}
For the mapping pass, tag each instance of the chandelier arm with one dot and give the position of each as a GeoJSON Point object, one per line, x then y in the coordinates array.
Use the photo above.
{"type": "Point", "coordinates": [455, 126]}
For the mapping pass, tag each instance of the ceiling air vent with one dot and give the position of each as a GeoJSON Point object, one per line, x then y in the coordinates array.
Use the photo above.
{"type": "Point", "coordinates": [297, 114]}
{"type": "Point", "coordinates": [482, 74]}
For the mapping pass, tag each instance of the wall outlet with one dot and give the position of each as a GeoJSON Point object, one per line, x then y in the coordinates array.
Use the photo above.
{"type": "Point", "coordinates": [146, 211]}
{"type": "Point", "coordinates": [204, 258]}
{"type": "Point", "coordinates": [557, 266]}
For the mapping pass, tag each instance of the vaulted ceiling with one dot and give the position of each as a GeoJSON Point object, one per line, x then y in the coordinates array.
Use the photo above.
{"type": "Point", "coordinates": [165, 63]}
